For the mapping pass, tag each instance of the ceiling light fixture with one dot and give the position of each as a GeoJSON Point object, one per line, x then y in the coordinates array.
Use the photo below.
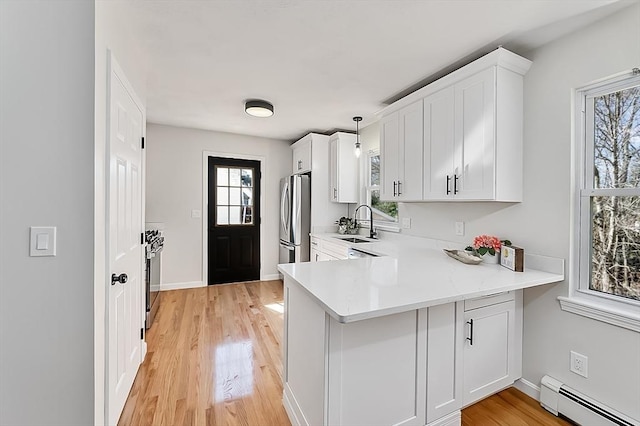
{"type": "Point", "coordinates": [258, 108]}
{"type": "Point", "coordinates": [358, 150]}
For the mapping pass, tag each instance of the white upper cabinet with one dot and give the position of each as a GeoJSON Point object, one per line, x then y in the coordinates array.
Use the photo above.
{"type": "Point", "coordinates": [438, 144]}
{"type": "Point", "coordinates": [302, 156]}
{"type": "Point", "coordinates": [401, 144]}
{"type": "Point", "coordinates": [343, 174]}
{"type": "Point", "coordinates": [474, 145]}
{"type": "Point", "coordinates": [471, 134]}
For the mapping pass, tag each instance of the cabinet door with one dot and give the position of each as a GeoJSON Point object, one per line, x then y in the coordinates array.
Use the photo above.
{"type": "Point", "coordinates": [322, 256]}
{"type": "Point", "coordinates": [409, 185]}
{"type": "Point", "coordinates": [333, 170]}
{"type": "Point", "coordinates": [475, 136]}
{"type": "Point", "coordinates": [389, 157]}
{"type": "Point", "coordinates": [302, 157]}
{"type": "Point", "coordinates": [343, 169]}
{"type": "Point", "coordinates": [489, 350]}
{"type": "Point", "coordinates": [438, 145]}
{"type": "Point", "coordinates": [444, 359]}
{"type": "Point", "coordinates": [315, 255]}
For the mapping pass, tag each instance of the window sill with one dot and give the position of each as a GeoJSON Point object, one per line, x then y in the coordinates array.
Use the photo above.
{"type": "Point", "coordinates": [628, 318]}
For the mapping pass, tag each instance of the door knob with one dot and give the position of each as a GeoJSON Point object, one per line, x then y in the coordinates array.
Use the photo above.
{"type": "Point", "coordinates": [122, 278]}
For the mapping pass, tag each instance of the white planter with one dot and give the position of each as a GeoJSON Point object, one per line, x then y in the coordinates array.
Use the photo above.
{"type": "Point", "coordinates": [493, 259]}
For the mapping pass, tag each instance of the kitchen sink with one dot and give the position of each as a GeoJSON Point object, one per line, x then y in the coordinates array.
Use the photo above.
{"type": "Point", "coordinates": [354, 240]}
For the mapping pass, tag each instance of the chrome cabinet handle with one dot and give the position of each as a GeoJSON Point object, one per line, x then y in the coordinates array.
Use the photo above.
{"type": "Point", "coordinates": [299, 164]}
{"type": "Point", "coordinates": [335, 193]}
{"type": "Point", "coordinates": [470, 338]}
{"type": "Point", "coordinates": [394, 188]}
{"type": "Point", "coordinates": [399, 192]}
{"type": "Point", "coordinates": [455, 184]}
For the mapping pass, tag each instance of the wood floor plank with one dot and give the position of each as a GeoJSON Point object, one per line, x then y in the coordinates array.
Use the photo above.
{"type": "Point", "coordinates": [214, 357]}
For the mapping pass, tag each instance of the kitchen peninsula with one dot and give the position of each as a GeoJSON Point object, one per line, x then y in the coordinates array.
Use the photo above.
{"type": "Point", "coordinates": [404, 339]}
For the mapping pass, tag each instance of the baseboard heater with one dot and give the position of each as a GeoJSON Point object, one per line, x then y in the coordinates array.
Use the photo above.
{"type": "Point", "coordinates": [560, 399]}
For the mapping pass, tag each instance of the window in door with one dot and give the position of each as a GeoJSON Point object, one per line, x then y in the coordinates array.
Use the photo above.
{"type": "Point", "coordinates": [234, 201]}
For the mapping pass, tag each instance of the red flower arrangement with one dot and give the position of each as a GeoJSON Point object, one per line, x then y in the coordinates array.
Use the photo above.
{"type": "Point", "coordinates": [483, 244]}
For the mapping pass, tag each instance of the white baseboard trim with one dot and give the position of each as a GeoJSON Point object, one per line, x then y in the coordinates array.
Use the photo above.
{"type": "Point", "coordinates": [270, 277]}
{"type": "Point", "coordinates": [180, 286]}
{"type": "Point", "coordinates": [525, 386]}
{"type": "Point", "coordinates": [291, 407]}
{"type": "Point", "coordinates": [453, 419]}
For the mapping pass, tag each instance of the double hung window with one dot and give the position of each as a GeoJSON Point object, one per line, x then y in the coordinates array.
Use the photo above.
{"type": "Point", "coordinates": [606, 254]}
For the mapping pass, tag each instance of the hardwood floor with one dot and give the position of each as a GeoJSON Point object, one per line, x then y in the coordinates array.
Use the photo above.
{"type": "Point", "coordinates": [509, 408]}
{"type": "Point", "coordinates": [214, 358]}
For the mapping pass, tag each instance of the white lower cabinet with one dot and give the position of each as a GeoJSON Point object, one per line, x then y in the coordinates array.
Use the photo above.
{"type": "Point", "coordinates": [322, 250]}
{"type": "Point", "coordinates": [492, 347]}
{"type": "Point", "coordinates": [418, 367]}
{"type": "Point", "coordinates": [370, 372]}
{"type": "Point", "coordinates": [444, 360]}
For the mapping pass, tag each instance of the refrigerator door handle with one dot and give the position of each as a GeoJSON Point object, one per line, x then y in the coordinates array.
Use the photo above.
{"type": "Point", "coordinates": [288, 247]}
{"type": "Point", "coordinates": [284, 218]}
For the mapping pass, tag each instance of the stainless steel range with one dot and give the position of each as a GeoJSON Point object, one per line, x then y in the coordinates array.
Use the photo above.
{"type": "Point", "coordinates": [153, 249]}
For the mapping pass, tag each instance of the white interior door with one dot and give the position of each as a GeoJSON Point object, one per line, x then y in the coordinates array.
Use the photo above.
{"type": "Point", "coordinates": [125, 225]}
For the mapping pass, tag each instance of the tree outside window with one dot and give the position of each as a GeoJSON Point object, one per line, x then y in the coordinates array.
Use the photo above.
{"type": "Point", "coordinates": [610, 195]}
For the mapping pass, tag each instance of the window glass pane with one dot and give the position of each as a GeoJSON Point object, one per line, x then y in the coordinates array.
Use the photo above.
{"type": "Point", "coordinates": [234, 215]}
{"type": "Point", "coordinates": [617, 139]}
{"type": "Point", "coordinates": [222, 216]}
{"type": "Point", "coordinates": [383, 210]}
{"type": "Point", "coordinates": [234, 177]}
{"type": "Point", "coordinates": [615, 242]}
{"type": "Point", "coordinates": [234, 196]}
{"type": "Point", "coordinates": [375, 170]}
{"type": "Point", "coordinates": [223, 176]}
{"type": "Point", "coordinates": [247, 216]}
{"type": "Point", "coordinates": [247, 177]}
{"type": "Point", "coordinates": [223, 197]}
{"type": "Point", "coordinates": [247, 196]}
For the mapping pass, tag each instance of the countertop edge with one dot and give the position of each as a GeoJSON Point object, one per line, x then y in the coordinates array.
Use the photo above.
{"type": "Point", "coordinates": [359, 316]}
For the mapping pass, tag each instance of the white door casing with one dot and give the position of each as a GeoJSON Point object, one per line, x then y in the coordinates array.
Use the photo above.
{"type": "Point", "coordinates": [125, 310]}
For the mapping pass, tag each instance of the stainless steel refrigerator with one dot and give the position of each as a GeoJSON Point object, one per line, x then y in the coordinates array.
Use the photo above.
{"type": "Point", "coordinates": [295, 218]}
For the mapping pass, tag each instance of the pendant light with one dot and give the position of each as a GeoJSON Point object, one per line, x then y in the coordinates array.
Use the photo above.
{"type": "Point", "coordinates": [358, 150]}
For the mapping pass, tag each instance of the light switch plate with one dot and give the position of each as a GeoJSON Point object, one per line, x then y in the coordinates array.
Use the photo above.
{"type": "Point", "coordinates": [460, 228]}
{"type": "Point", "coordinates": [406, 222]}
{"type": "Point", "coordinates": [42, 241]}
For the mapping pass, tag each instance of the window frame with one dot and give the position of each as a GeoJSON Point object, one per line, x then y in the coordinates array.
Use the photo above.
{"type": "Point", "coordinates": [384, 225]}
{"type": "Point", "coordinates": [616, 310]}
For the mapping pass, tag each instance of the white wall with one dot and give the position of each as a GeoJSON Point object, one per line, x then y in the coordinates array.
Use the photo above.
{"type": "Point", "coordinates": [174, 188]}
{"type": "Point", "coordinates": [46, 178]}
{"type": "Point", "coordinates": [540, 224]}
{"type": "Point", "coordinates": [115, 26]}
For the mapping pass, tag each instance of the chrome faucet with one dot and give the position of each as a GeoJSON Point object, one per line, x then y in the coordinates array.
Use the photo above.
{"type": "Point", "coordinates": [372, 232]}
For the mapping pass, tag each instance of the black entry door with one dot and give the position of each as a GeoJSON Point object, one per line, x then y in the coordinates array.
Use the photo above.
{"type": "Point", "coordinates": [234, 220]}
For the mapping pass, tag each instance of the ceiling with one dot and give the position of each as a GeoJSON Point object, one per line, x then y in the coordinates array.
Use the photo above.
{"type": "Point", "coordinates": [320, 62]}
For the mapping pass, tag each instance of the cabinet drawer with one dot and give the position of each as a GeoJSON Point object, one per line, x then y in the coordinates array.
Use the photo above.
{"type": "Point", "coordinates": [334, 249]}
{"type": "Point", "coordinates": [492, 299]}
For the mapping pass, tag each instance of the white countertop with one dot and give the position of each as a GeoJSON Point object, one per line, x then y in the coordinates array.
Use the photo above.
{"type": "Point", "coordinates": [415, 274]}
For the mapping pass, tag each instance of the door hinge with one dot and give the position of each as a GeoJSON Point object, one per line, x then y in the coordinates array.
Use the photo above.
{"type": "Point", "coordinates": [142, 238]}
{"type": "Point", "coordinates": [141, 333]}
{"type": "Point", "coordinates": [143, 142]}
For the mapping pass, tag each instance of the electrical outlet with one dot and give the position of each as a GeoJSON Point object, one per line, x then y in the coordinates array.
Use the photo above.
{"type": "Point", "coordinates": [460, 228]}
{"type": "Point", "coordinates": [406, 222]}
{"type": "Point", "coordinates": [579, 364]}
